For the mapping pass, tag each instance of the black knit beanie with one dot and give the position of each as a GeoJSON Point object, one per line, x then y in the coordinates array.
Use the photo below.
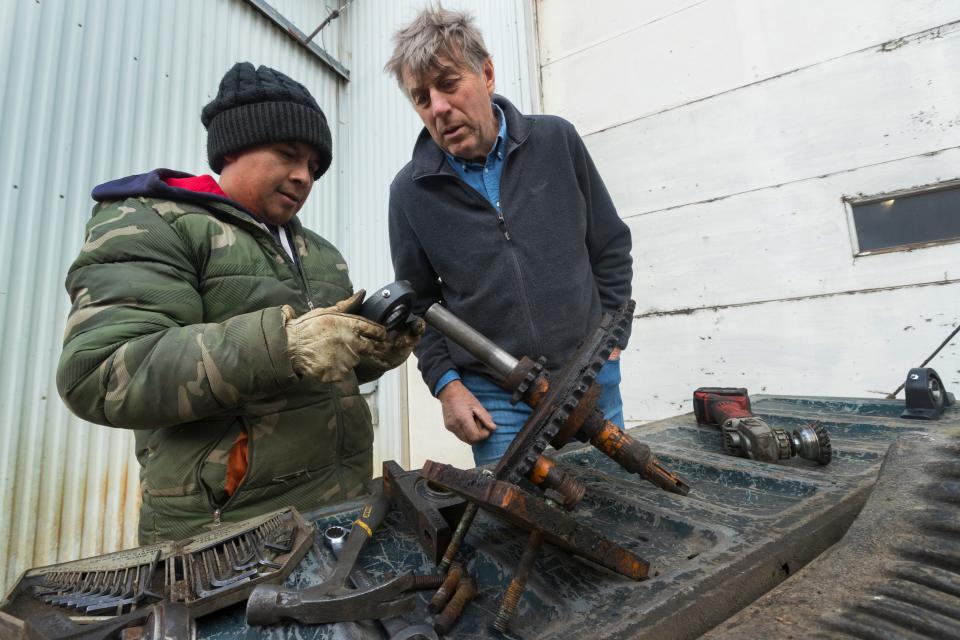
{"type": "Point", "coordinates": [260, 106]}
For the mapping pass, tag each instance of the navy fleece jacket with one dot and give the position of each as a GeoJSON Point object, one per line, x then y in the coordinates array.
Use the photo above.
{"type": "Point", "coordinates": [534, 281]}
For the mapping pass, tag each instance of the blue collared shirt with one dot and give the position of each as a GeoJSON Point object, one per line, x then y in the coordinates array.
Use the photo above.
{"type": "Point", "coordinates": [485, 180]}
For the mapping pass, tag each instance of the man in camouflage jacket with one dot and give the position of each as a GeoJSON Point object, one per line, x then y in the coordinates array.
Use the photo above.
{"type": "Point", "coordinates": [206, 318]}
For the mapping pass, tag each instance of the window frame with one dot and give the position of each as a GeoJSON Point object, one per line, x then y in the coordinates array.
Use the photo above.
{"type": "Point", "coordinates": [850, 201]}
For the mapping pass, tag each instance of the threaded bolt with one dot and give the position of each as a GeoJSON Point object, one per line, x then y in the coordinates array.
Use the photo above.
{"type": "Point", "coordinates": [511, 599]}
{"type": "Point", "coordinates": [446, 589]}
{"type": "Point", "coordinates": [425, 582]}
{"type": "Point", "coordinates": [466, 591]}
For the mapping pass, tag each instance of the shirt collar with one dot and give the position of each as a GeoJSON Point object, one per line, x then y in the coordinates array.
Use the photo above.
{"type": "Point", "coordinates": [498, 146]}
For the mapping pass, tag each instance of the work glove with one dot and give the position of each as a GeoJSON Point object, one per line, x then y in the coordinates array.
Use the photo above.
{"type": "Point", "coordinates": [398, 344]}
{"type": "Point", "coordinates": [327, 343]}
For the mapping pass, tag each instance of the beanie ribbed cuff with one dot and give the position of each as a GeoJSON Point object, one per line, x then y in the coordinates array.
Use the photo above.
{"type": "Point", "coordinates": [257, 123]}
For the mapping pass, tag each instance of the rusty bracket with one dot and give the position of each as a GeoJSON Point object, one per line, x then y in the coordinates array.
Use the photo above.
{"type": "Point", "coordinates": [431, 511]}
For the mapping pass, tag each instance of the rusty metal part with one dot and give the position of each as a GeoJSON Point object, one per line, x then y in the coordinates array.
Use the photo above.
{"type": "Point", "coordinates": [443, 594]}
{"type": "Point", "coordinates": [527, 511]}
{"type": "Point", "coordinates": [396, 627]}
{"type": "Point", "coordinates": [465, 592]}
{"type": "Point", "coordinates": [460, 533]}
{"type": "Point", "coordinates": [269, 604]}
{"type": "Point", "coordinates": [430, 511]}
{"type": "Point", "coordinates": [511, 598]}
{"type": "Point", "coordinates": [564, 406]}
{"type": "Point", "coordinates": [633, 456]}
{"type": "Point", "coordinates": [548, 475]}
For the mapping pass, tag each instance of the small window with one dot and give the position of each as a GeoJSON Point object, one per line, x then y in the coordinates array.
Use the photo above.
{"type": "Point", "coordinates": [906, 219]}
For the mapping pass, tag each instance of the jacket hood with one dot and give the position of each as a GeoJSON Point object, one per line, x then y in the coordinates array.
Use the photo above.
{"type": "Point", "coordinates": [152, 185]}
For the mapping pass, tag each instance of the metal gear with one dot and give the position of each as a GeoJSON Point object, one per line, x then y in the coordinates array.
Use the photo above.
{"type": "Point", "coordinates": [566, 392]}
{"type": "Point", "coordinates": [812, 442]}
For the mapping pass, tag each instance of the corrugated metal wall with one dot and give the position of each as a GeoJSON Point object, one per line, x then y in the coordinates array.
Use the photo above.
{"type": "Point", "coordinates": [94, 90]}
{"type": "Point", "coordinates": [91, 91]}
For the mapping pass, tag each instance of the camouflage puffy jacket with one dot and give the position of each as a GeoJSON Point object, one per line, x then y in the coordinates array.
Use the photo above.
{"type": "Point", "coordinates": [176, 332]}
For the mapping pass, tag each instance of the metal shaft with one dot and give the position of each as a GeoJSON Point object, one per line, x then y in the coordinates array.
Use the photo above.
{"type": "Point", "coordinates": [470, 339]}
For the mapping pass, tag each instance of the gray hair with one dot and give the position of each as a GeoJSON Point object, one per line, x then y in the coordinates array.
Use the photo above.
{"type": "Point", "coordinates": [436, 32]}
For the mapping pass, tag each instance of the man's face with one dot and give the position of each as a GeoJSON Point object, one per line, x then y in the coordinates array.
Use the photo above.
{"type": "Point", "coordinates": [454, 104]}
{"type": "Point", "coordinates": [272, 181]}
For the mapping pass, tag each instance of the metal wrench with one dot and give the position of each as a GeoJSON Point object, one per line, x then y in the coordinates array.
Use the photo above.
{"type": "Point", "coordinates": [396, 627]}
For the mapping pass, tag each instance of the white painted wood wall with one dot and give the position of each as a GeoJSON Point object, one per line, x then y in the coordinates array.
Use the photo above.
{"type": "Point", "coordinates": [728, 133]}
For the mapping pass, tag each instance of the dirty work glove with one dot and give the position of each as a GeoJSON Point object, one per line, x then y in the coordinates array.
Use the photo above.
{"type": "Point", "coordinates": [396, 347]}
{"type": "Point", "coordinates": [327, 343]}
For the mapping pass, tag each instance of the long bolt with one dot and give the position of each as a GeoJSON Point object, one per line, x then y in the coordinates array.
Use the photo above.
{"type": "Point", "coordinates": [458, 535]}
{"type": "Point", "coordinates": [447, 588]}
{"type": "Point", "coordinates": [466, 591]}
{"type": "Point", "coordinates": [514, 592]}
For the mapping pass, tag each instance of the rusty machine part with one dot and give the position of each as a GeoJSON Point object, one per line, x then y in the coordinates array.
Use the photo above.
{"type": "Point", "coordinates": [463, 594]}
{"type": "Point", "coordinates": [564, 408]}
{"type": "Point", "coordinates": [531, 512]}
{"type": "Point", "coordinates": [205, 573]}
{"type": "Point", "coordinates": [543, 519]}
{"type": "Point", "coordinates": [748, 436]}
{"type": "Point", "coordinates": [430, 510]}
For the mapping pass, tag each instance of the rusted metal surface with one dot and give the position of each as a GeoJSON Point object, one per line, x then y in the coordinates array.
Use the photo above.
{"type": "Point", "coordinates": [445, 592]}
{"type": "Point", "coordinates": [532, 513]}
{"type": "Point", "coordinates": [464, 594]}
{"type": "Point", "coordinates": [431, 511]}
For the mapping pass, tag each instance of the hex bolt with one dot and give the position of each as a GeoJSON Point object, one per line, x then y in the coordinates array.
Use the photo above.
{"type": "Point", "coordinates": [447, 589]}
{"type": "Point", "coordinates": [465, 592]}
{"type": "Point", "coordinates": [511, 599]}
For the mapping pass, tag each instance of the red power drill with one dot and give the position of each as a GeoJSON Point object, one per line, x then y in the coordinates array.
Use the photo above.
{"type": "Point", "coordinates": [748, 436]}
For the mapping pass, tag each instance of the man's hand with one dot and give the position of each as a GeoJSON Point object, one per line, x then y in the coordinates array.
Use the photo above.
{"type": "Point", "coordinates": [327, 343]}
{"type": "Point", "coordinates": [398, 344]}
{"type": "Point", "coordinates": [463, 415]}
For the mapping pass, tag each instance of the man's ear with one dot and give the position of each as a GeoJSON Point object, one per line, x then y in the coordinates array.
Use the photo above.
{"type": "Point", "coordinates": [489, 76]}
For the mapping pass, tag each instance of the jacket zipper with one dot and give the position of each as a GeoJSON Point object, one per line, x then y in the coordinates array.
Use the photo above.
{"type": "Point", "coordinates": [219, 509]}
{"type": "Point", "coordinates": [299, 268]}
{"type": "Point", "coordinates": [502, 223]}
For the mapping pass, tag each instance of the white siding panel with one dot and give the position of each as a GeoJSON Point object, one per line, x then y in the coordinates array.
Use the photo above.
{"type": "Point", "coordinates": [569, 27]}
{"type": "Point", "coordinates": [863, 109]}
{"type": "Point", "coordinates": [859, 345]}
{"type": "Point", "coordinates": [714, 47]}
{"type": "Point", "coordinates": [786, 242]}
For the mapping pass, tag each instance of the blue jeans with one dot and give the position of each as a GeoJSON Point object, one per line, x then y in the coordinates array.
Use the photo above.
{"type": "Point", "coordinates": [509, 418]}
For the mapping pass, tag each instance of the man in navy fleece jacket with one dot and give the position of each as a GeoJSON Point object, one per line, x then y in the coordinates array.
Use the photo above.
{"type": "Point", "coordinates": [504, 218]}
